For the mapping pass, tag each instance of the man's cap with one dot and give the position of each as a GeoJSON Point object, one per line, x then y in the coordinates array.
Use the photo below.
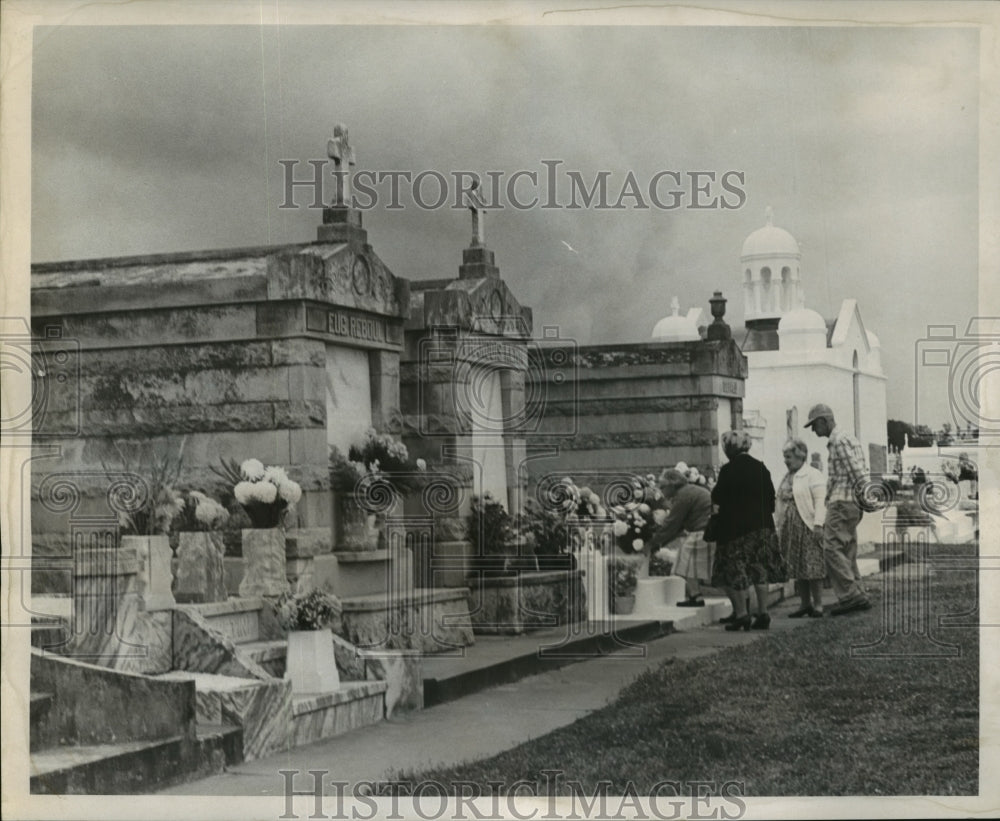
{"type": "Point", "coordinates": [818, 412]}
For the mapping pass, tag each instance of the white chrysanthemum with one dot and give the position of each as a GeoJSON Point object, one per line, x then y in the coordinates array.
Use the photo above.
{"type": "Point", "coordinates": [244, 492]}
{"type": "Point", "coordinates": [264, 492]}
{"type": "Point", "coordinates": [198, 496]}
{"type": "Point", "coordinates": [631, 506]}
{"type": "Point", "coordinates": [290, 491]}
{"type": "Point", "coordinates": [252, 470]}
{"type": "Point", "coordinates": [421, 464]}
{"type": "Point", "coordinates": [681, 467]}
{"type": "Point", "coordinates": [601, 513]}
{"type": "Point", "coordinates": [619, 528]}
{"type": "Point", "coordinates": [644, 509]}
{"type": "Point", "coordinates": [637, 545]}
{"type": "Point", "coordinates": [659, 516]}
{"type": "Point", "coordinates": [276, 475]}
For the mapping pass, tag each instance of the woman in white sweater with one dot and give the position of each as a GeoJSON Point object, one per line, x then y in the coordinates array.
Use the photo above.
{"type": "Point", "coordinates": [800, 511]}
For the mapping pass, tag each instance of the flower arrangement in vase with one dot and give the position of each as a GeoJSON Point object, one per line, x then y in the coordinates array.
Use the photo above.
{"type": "Point", "coordinates": [311, 663]}
{"type": "Point", "coordinates": [265, 493]}
{"type": "Point", "coordinates": [491, 531]}
{"type": "Point", "coordinates": [200, 570]}
{"type": "Point", "coordinates": [148, 503]}
{"type": "Point", "coordinates": [563, 523]}
{"type": "Point", "coordinates": [634, 522]}
{"type": "Point", "coordinates": [624, 578]}
{"type": "Point", "coordinates": [369, 482]}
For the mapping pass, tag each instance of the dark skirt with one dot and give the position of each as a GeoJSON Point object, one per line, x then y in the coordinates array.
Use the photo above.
{"type": "Point", "coordinates": [753, 558]}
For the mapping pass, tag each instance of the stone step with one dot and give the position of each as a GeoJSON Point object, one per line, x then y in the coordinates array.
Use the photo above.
{"type": "Point", "coordinates": [238, 618]}
{"type": "Point", "coordinates": [494, 660]}
{"type": "Point", "coordinates": [137, 767]}
{"type": "Point", "coordinates": [268, 653]}
{"type": "Point", "coordinates": [355, 704]}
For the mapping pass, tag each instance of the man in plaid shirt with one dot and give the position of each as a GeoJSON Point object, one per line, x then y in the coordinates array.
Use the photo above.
{"type": "Point", "coordinates": [846, 471]}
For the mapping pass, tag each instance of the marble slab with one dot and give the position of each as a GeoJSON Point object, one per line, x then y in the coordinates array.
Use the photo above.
{"type": "Point", "coordinates": [356, 704]}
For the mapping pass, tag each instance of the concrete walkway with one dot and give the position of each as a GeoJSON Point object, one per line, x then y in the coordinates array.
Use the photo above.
{"type": "Point", "coordinates": [478, 725]}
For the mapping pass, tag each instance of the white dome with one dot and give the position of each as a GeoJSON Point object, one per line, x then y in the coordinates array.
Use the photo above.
{"type": "Point", "coordinates": [676, 328]}
{"type": "Point", "coordinates": [770, 241]}
{"type": "Point", "coordinates": [802, 319]}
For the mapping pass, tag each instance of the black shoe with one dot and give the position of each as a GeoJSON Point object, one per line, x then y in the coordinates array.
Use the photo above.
{"type": "Point", "coordinates": [850, 606]}
{"type": "Point", "coordinates": [727, 619]}
{"type": "Point", "coordinates": [802, 611]}
{"type": "Point", "coordinates": [815, 614]}
{"type": "Point", "coordinates": [761, 622]}
{"type": "Point", "coordinates": [692, 601]}
{"type": "Point", "coordinates": [742, 623]}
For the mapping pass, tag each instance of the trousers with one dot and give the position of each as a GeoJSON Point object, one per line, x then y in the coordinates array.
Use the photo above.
{"type": "Point", "coordinates": [840, 549]}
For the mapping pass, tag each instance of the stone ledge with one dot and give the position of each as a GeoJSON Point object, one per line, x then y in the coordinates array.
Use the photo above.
{"type": "Point", "coordinates": [225, 608]}
{"type": "Point", "coordinates": [422, 595]}
{"type": "Point", "coordinates": [361, 556]}
{"type": "Point", "coordinates": [526, 577]}
{"type": "Point", "coordinates": [349, 691]}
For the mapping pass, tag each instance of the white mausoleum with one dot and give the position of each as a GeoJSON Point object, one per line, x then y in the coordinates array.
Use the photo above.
{"type": "Point", "coordinates": [796, 358]}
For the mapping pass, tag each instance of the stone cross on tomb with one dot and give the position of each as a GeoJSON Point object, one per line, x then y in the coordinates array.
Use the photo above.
{"type": "Point", "coordinates": [341, 152]}
{"type": "Point", "coordinates": [478, 208]}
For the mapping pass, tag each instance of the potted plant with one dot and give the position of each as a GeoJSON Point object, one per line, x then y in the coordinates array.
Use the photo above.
{"type": "Point", "coordinates": [369, 482]}
{"type": "Point", "coordinates": [148, 504]}
{"type": "Point", "coordinates": [311, 663]}
{"type": "Point", "coordinates": [490, 531]}
{"type": "Point", "coordinates": [624, 578]}
{"type": "Point", "coordinates": [200, 550]}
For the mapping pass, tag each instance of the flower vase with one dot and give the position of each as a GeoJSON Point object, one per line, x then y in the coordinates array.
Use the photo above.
{"type": "Point", "coordinates": [155, 576]}
{"type": "Point", "coordinates": [264, 562]}
{"type": "Point", "coordinates": [311, 665]}
{"type": "Point", "coordinates": [359, 529]}
{"type": "Point", "coordinates": [200, 577]}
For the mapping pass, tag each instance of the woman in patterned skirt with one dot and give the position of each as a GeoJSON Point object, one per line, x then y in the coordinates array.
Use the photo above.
{"type": "Point", "coordinates": [800, 513]}
{"type": "Point", "coordinates": [747, 551]}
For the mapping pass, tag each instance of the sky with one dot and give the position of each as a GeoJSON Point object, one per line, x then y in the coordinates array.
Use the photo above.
{"type": "Point", "coordinates": [864, 141]}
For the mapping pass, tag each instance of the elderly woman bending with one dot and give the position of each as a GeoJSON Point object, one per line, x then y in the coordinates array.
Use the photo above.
{"type": "Point", "coordinates": [683, 529]}
{"type": "Point", "coordinates": [800, 513]}
{"type": "Point", "coordinates": [747, 550]}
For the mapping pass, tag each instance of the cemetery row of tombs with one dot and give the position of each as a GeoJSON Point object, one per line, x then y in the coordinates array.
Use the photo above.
{"type": "Point", "coordinates": [234, 448]}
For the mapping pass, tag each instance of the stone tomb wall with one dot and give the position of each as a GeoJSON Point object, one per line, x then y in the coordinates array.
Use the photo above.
{"type": "Point", "coordinates": [206, 355]}
{"type": "Point", "coordinates": [634, 408]}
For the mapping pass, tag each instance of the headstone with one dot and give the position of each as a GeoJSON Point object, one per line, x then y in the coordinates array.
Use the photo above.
{"type": "Point", "coordinates": [200, 576]}
{"type": "Point", "coordinates": [264, 554]}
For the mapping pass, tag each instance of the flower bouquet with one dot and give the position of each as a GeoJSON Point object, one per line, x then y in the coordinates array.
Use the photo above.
{"type": "Point", "coordinates": [376, 472]}
{"type": "Point", "coordinates": [315, 610]}
{"type": "Point", "coordinates": [201, 513]}
{"type": "Point", "coordinates": [149, 505]}
{"type": "Point", "coordinates": [265, 493]}
{"type": "Point", "coordinates": [491, 531]}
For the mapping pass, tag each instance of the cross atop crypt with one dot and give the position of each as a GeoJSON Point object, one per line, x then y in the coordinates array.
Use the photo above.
{"type": "Point", "coordinates": [341, 220]}
{"type": "Point", "coordinates": [477, 260]}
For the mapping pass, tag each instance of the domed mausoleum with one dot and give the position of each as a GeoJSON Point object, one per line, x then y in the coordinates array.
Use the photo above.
{"type": "Point", "coordinates": [796, 358]}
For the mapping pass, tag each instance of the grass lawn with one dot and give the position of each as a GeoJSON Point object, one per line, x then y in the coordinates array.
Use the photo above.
{"type": "Point", "coordinates": [792, 714]}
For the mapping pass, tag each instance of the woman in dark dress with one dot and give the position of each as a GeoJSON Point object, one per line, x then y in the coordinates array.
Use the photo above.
{"type": "Point", "coordinates": [747, 551]}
